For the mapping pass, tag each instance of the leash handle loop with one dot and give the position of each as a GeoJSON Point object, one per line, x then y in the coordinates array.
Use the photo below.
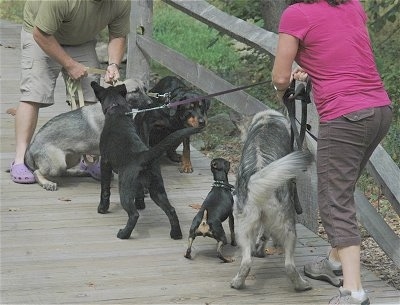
{"type": "Point", "coordinates": [302, 92]}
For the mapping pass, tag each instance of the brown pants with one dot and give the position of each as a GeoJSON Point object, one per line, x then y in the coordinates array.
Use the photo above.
{"type": "Point", "coordinates": [345, 145]}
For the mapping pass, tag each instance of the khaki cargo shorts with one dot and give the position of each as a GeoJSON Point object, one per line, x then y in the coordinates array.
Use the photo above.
{"type": "Point", "coordinates": [39, 72]}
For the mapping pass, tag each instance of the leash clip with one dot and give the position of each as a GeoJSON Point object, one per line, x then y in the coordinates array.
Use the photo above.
{"type": "Point", "coordinates": [136, 111]}
{"type": "Point", "coordinates": [158, 95]}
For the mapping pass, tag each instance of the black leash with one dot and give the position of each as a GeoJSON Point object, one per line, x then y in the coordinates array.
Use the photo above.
{"type": "Point", "coordinates": [193, 99]}
{"type": "Point", "coordinates": [302, 92]}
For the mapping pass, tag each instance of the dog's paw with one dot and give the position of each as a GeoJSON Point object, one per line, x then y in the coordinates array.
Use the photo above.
{"type": "Point", "coordinates": [302, 285]}
{"type": "Point", "coordinates": [237, 283]}
{"type": "Point", "coordinates": [103, 208]}
{"type": "Point", "coordinates": [225, 259]}
{"type": "Point", "coordinates": [43, 182]}
{"type": "Point", "coordinates": [123, 234]}
{"type": "Point", "coordinates": [50, 186]}
{"type": "Point", "coordinates": [260, 253]}
{"type": "Point", "coordinates": [186, 169]}
{"type": "Point", "coordinates": [176, 233]}
{"type": "Point", "coordinates": [188, 255]}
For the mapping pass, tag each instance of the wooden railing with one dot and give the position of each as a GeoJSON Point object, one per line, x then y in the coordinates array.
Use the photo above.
{"type": "Point", "coordinates": [142, 47]}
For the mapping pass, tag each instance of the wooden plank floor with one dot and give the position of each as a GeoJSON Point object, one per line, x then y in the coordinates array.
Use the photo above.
{"type": "Point", "coordinates": [56, 248]}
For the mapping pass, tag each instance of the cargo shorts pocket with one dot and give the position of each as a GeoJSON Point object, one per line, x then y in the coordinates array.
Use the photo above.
{"type": "Point", "coordinates": [26, 75]}
{"type": "Point", "coordinates": [26, 63]}
{"type": "Point", "coordinates": [359, 114]}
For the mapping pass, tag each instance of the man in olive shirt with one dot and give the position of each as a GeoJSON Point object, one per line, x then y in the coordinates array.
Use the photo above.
{"type": "Point", "coordinates": [61, 35]}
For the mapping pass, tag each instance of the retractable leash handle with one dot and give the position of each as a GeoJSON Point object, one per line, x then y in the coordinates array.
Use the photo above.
{"type": "Point", "coordinates": [301, 92]}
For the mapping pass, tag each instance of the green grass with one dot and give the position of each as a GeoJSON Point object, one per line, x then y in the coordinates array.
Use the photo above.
{"type": "Point", "coordinates": [194, 39]}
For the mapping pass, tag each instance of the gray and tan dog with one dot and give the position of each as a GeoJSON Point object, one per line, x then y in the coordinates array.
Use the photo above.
{"type": "Point", "coordinates": [59, 145]}
{"type": "Point", "coordinates": [263, 205]}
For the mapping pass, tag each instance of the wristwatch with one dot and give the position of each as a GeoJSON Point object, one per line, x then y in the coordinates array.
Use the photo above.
{"type": "Point", "coordinates": [114, 64]}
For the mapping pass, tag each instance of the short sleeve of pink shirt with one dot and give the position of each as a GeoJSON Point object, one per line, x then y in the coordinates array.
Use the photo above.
{"type": "Point", "coordinates": [294, 22]}
{"type": "Point", "coordinates": [335, 50]}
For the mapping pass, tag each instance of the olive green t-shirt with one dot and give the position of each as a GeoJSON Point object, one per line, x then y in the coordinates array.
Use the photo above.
{"type": "Point", "coordinates": [73, 22]}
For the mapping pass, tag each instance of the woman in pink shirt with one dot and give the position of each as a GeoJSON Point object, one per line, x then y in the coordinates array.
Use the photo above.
{"type": "Point", "coordinates": [329, 40]}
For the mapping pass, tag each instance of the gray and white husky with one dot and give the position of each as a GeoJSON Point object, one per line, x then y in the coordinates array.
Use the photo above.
{"type": "Point", "coordinates": [59, 144]}
{"type": "Point", "coordinates": [263, 203]}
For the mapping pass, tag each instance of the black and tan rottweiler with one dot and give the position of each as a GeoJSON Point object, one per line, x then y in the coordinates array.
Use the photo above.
{"type": "Point", "coordinates": [155, 125]}
{"type": "Point", "coordinates": [216, 208]}
{"type": "Point", "coordinates": [137, 166]}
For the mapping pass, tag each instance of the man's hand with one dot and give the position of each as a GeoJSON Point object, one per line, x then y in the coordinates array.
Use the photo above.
{"type": "Point", "coordinates": [76, 70]}
{"type": "Point", "coordinates": [112, 74]}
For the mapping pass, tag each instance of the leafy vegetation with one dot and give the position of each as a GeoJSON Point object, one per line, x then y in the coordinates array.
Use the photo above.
{"type": "Point", "coordinates": [12, 10]}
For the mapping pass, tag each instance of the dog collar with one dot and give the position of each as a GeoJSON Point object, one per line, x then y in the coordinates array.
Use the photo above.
{"type": "Point", "coordinates": [223, 184]}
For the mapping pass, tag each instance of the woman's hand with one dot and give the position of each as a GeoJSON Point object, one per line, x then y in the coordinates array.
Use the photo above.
{"type": "Point", "coordinates": [299, 74]}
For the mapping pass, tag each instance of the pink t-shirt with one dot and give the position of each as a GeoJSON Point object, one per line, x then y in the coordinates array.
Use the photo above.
{"type": "Point", "coordinates": [335, 51]}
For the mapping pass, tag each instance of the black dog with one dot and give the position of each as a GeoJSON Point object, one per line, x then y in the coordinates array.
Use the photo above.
{"type": "Point", "coordinates": [216, 208]}
{"type": "Point", "coordinates": [123, 152]}
{"type": "Point", "coordinates": [155, 125]}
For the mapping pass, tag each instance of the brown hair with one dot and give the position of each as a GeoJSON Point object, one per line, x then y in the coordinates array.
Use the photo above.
{"type": "Point", "coordinates": [331, 2]}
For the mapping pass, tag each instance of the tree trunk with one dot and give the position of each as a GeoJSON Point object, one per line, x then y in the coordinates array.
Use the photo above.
{"type": "Point", "coordinates": [271, 11]}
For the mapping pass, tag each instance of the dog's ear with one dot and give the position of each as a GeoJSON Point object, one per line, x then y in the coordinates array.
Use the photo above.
{"type": "Point", "coordinates": [99, 91]}
{"type": "Point", "coordinates": [121, 89]}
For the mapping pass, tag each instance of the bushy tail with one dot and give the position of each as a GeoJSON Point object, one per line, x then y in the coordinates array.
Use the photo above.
{"type": "Point", "coordinates": [172, 140]}
{"type": "Point", "coordinates": [276, 173]}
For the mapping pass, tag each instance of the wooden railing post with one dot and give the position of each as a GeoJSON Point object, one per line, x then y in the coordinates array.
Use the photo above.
{"type": "Point", "coordinates": [138, 64]}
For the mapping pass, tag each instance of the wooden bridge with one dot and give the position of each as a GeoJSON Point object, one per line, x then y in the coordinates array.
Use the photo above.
{"type": "Point", "coordinates": [56, 248]}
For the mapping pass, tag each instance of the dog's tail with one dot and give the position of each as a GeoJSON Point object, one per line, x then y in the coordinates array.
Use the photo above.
{"type": "Point", "coordinates": [276, 173]}
{"type": "Point", "coordinates": [172, 140]}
